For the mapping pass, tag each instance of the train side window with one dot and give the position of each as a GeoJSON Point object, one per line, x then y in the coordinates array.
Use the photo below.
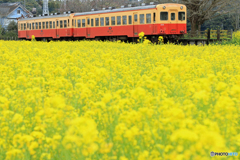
{"type": "Point", "coordinates": [96, 22]}
{"type": "Point", "coordinates": [24, 26]}
{"type": "Point", "coordinates": [27, 25]}
{"type": "Point", "coordinates": [102, 21]}
{"type": "Point", "coordinates": [118, 20]}
{"type": "Point", "coordinates": [79, 23]}
{"type": "Point", "coordinates": [124, 20]}
{"type": "Point", "coordinates": [65, 23]}
{"type": "Point", "coordinates": [154, 17]}
{"type": "Point", "coordinates": [53, 24]}
{"type": "Point", "coordinates": [43, 25]}
{"type": "Point", "coordinates": [47, 25]}
{"type": "Point", "coordinates": [129, 19]}
{"type": "Point", "coordinates": [148, 18]}
{"type": "Point", "coordinates": [88, 21]}
{"type": "Point", "coordinates": [57, 24]}
{"type": "Point", "coordinates": [135, 17]}
{"type": "Point", "coordinates": [173, 16]}
{"type": "Point", "coordinates": [50, 24]}
{"type": "Point", "coordinates": [32, 25]}
{"type": "Point", "coordinates": [39, 25]}
{"type": "Point", "coordinates": [164, 16]}
{"type": "Point", "coordinates": [107, 21]}
{"type": "Point", "coordinates": [68, 23]}
{"type": "Point", "coordinates": [181, 16]}
{"type": "Point", "coordinates": [141, 16]}
{"type": "Point", "coordinates": [21, 26]}
{"type": "Point", "coordinates": [75, 23]}
{"type": "Point", "coordinates": [83, 23]}
{"type": "Point", "coordinates": [36, 25]}
{"type": "Point", "coordinates": [61, 25]}
{"type": "Point", "coordinates": [72, 23]}
{"type": "Point", "coordinates": [113, 21]}
{"type": "Point", "coordinates": [92, 22]}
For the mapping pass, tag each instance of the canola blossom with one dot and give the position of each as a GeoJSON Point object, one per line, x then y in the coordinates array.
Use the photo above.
{"type": "Point", "coordinates": [118, 101]}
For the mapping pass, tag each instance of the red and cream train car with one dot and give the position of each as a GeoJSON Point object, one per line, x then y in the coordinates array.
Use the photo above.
{"type": "Point", "coordinates": [168, 20]}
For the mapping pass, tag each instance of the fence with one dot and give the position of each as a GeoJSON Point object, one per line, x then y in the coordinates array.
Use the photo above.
{"type": "Point", "coordinates": [210, 35]}
{"type": "Point", "coordinates": [9, 38]}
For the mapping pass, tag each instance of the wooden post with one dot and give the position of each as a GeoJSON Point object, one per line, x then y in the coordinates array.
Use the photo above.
{"type": "Point", "coordinates": [208, 36]}
{"type": "Point", "coordinates": [218, 34]}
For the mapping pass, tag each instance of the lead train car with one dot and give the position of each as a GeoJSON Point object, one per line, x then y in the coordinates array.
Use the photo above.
{"type": "Point", "coordinates": [168, 20]}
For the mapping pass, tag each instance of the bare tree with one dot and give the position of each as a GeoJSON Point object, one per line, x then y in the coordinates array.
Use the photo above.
{"type": "Point", "coordinates": [201, 10]}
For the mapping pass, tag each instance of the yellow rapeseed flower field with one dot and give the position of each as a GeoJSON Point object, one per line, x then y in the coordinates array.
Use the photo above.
{"type": "Point", "coordinates": [117, 101]}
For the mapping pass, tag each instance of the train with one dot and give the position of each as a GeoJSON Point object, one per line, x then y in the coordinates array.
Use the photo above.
{"type": "Point", "coordinates": [125, 23]}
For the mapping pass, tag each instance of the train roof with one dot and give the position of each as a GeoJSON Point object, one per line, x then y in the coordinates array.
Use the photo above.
{"type": "Point", "coordinates": [43, 17]}
{"type": "Point", "coordinates": [101, 11]}
{"type": "Point", "coordinates": [116, 10]}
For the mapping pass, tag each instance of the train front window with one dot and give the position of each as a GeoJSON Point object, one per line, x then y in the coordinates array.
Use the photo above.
{"type": "Point", "coordinates": [107, 21]}
{"type": "Point", "coordinates": [50, 24]}
{"type": "Point", "coordinates": [124, 20]}
{"type": "Point", "coordinates": [39, 25]}
{"type": "Point", "coordinates": [173, 16]}
{"type": "Point", "coordinates": [53, 24]}
{"type": "Point", "coordinates": [36, 25]}
{"type": "Point", "coordinates": [181, 16]}
{"type": "Point", "coordinates": [21, 26]}
{"type": "Point", "coordinates": [96, 22]}
{"type": "Point", "coordinates": [113, 21]}
{"type": "Point", "coordinates": [32, 25]}
{"type": "Point", "coordinates": [148, 18]}
{"type": "Point", "coordinates": [141, 18]}
{"type": "Point", "coordinates": [24, 26]}
{"type": "Point", "coordinates": [164, 16]}
{"type": "Point", "coordinates": [46, 25]}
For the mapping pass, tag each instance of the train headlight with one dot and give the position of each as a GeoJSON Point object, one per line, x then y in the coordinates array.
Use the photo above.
{"type": "Point", "coordinates": [181, 7]}
{"type": "Point", "coordinates": [164, 7]}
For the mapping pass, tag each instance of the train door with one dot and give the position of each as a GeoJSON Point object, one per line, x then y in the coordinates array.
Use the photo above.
{"type": "Point", "coordinates": [154, 23]}
{"type": "Point", "coordinates": [173, 22]}
{"type": "Point", "coordinates": [135, 24]}
{"type": "Point", "coordinates": [27, 31]}
{"type": "Point", "coordinates": [88, 27]}
{"type": "Point", "coordinates": [57, 28]}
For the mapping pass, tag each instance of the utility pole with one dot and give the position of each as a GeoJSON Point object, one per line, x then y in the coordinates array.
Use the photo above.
{"type": "Point", "coordinates": [45, 7]}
